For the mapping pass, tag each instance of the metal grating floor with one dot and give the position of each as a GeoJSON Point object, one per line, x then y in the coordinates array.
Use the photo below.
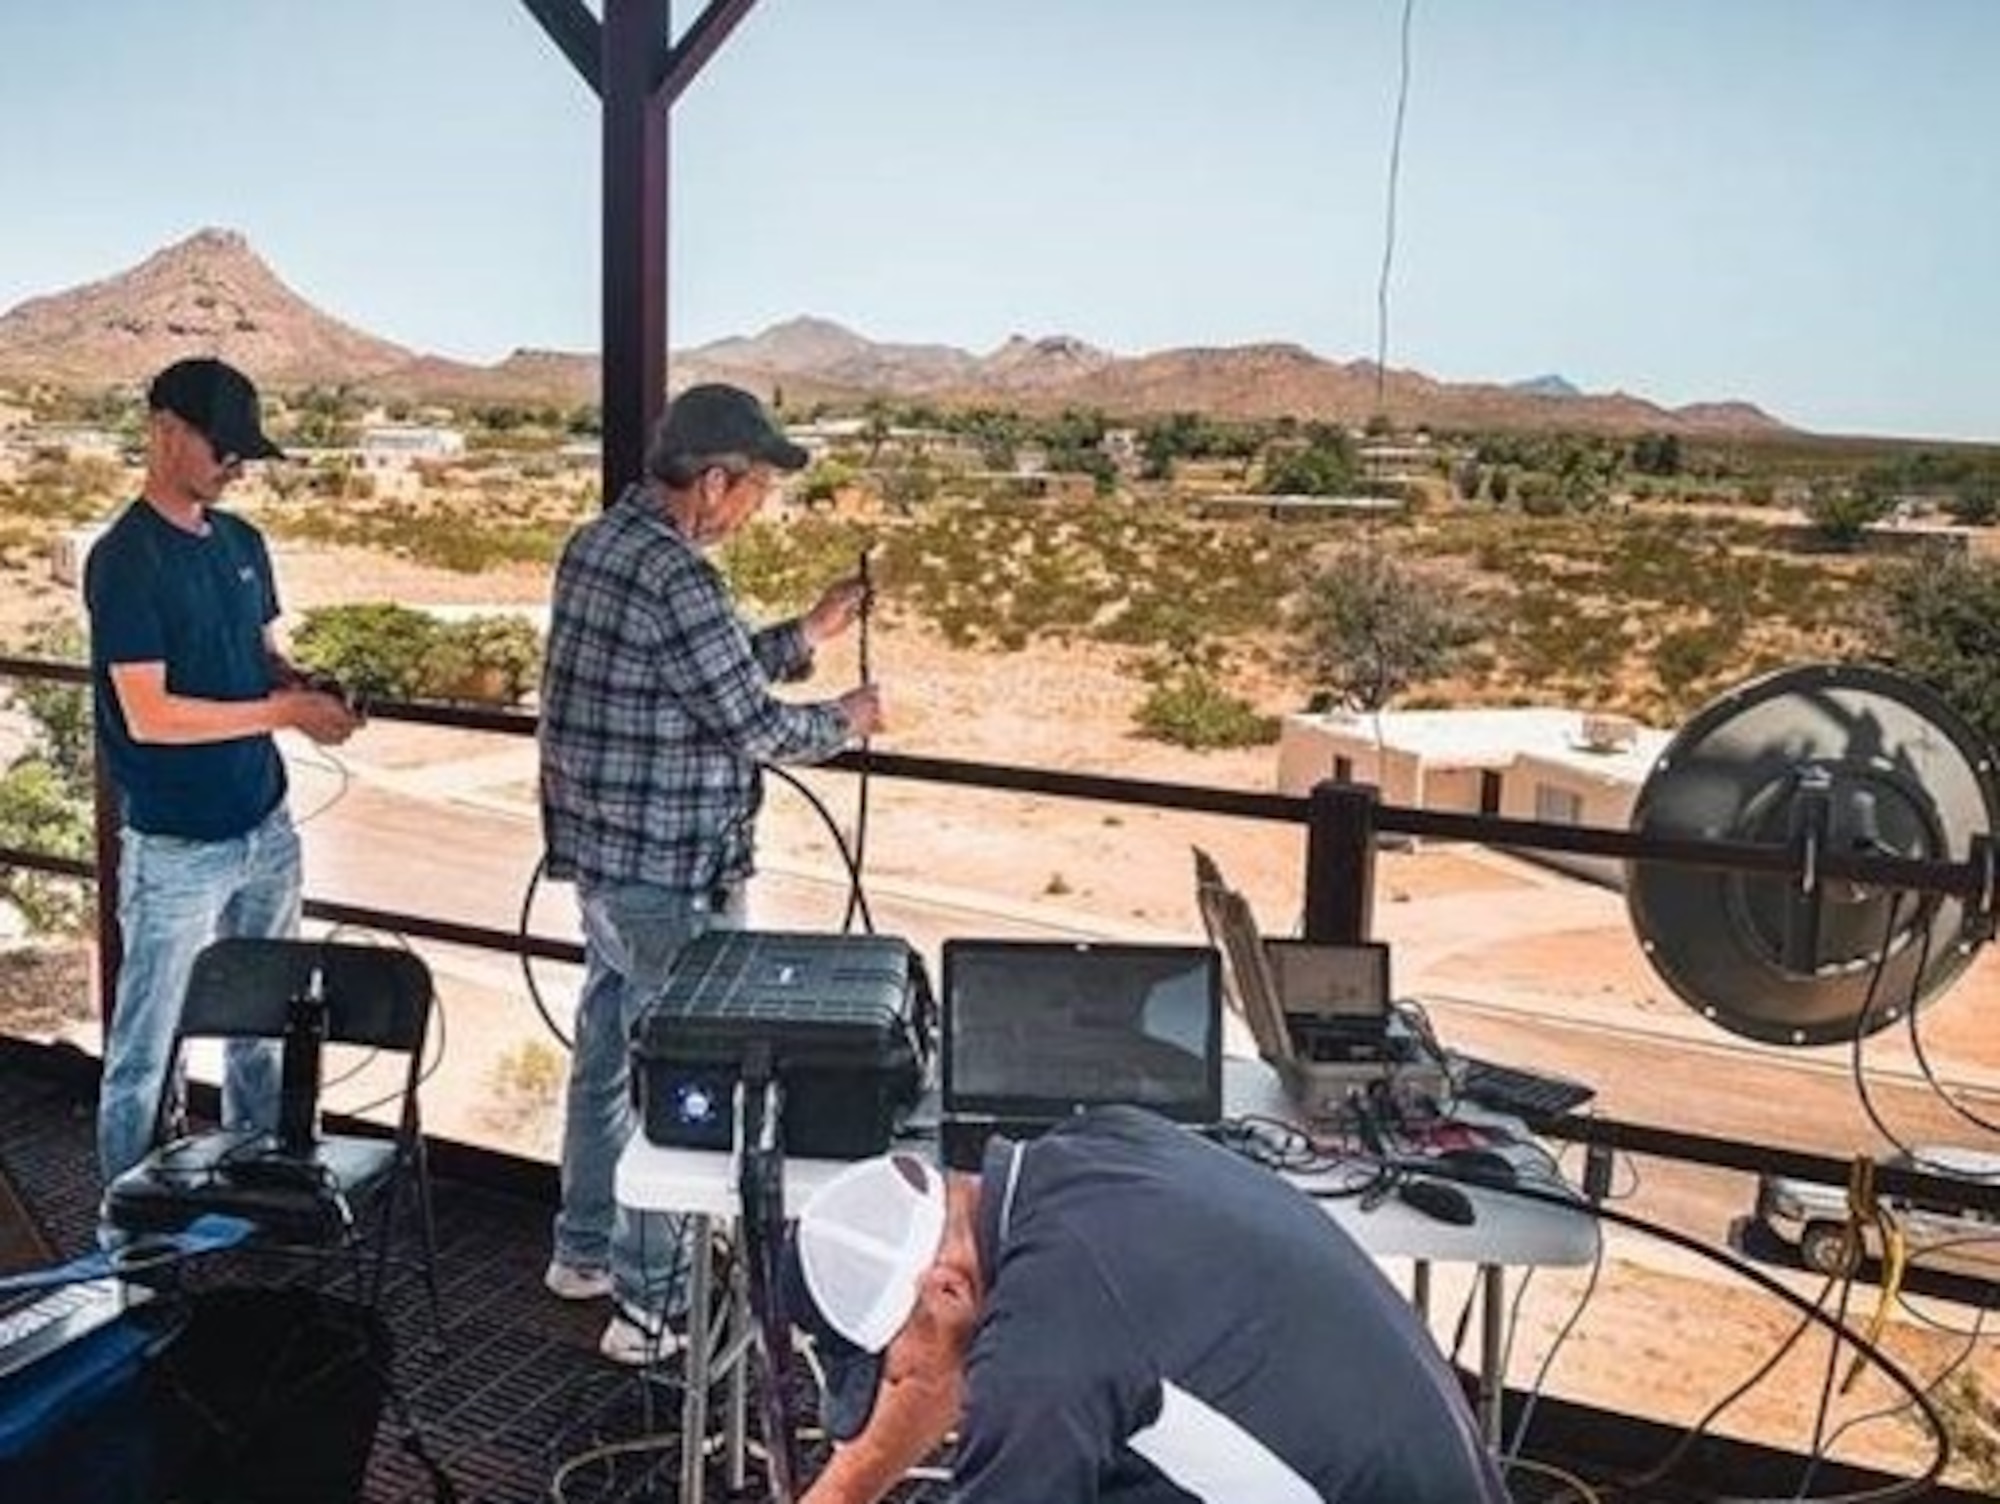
{"type": "Point", "coordinates": [514, 1396]}
{"type": "Point", "coordinates": [516, 1388]}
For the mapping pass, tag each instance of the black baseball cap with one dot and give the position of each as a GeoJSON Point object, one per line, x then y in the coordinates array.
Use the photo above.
{"type": "Point", "coordinates": [850, 1375]}
{"type": "Point", "coordinates": [714, 419]}
{"type": "Point", "coordinates": [219, 401]}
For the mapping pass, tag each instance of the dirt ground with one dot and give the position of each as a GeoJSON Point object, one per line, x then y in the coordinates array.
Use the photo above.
{"type": "Point", "coordinates": [1502, 952]}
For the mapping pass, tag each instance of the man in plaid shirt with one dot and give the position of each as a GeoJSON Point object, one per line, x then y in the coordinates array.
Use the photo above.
{"type": "Point", "coordinates": [656, 714]}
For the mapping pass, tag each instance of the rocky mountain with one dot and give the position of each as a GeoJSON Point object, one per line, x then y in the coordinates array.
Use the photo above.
{"type": "Point", "coordinates": [209, 295]}
{"type": "Point", "coordinates": [212, 294]}
{"type": "Point", "coordinates": [1549, 385]}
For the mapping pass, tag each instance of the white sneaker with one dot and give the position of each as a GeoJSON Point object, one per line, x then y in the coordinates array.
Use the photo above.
{"type": "Point", "coordinates": [567, 1282]}
{"type": "Point", "coordinates": [631, 1345]}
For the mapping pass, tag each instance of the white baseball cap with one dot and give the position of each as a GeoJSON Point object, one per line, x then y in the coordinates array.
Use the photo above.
{"type": "Point", "coordinates": [852, 1270]}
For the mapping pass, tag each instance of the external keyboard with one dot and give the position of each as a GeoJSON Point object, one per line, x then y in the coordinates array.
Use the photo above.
{"type": "Point", "coordinates": [1528, 1095]}
{"type": "Point", "coordinates": [30, 1332]}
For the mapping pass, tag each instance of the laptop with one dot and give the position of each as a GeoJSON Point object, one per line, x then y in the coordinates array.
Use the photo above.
{"type": "Point", "coordinates": [1321, 1014]}
{"type": "Point", "coordinates": [1335, 998]}
{"type": "Point", "coordinates": [1036, 1031]}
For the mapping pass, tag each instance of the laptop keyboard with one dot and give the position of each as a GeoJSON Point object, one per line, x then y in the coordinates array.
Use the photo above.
{"type": "Point", "coordinates": [1528, 1095]}
{"type": "Point", "coordinates": [32, 1331]}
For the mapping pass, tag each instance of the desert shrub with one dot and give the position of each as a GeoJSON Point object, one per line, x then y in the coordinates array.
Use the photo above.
{"type": "Point", "coordinates": [374, 648]}
{"type": "Point", "coordinates": [826, 480]}
{"type": "Point", "coordinates": [530, 1075]}
{"type": "Point", "coordinates": [1842, 512]}
{"type": "Point", "coordinates": [1374, 626]}
{"type": "Point", "coordinates": [380, 650]}
{"type": "Point", "coordinates": [1193, 711]}
{"type": "Point", "coordinates": [1683, 658]}
{"type": "Point", "coordinates": [482, 658]}
{"type": "Point", "coordinates": [45, 795]}
{"type": "Point", "coordinates": [1937, 618]}
{"type": "Point", "coordinates": [1972, 1424]}
{"type": "Point", "coordinates": [1975, 504]}
{"type": "Point", "coordinates": [775, 568]}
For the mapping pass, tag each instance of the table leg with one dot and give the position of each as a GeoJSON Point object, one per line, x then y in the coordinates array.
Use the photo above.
{"type": "Point", "coordinates": [737, 1412]}
{"type": "Point", "coordinates": [695, 1361]}
{"type": "Point", "coordinates": [1492, 1349]}
{"type": "Point", "coordinates": [1420, 1288]}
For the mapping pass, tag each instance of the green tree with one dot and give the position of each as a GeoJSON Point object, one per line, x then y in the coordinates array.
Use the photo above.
{"type": "Point", "coordinates": [45, 794]}
{"type": "Point", "coordinates": [1975, 503]}
{"type": "Point", "coordinates": [1375, 626]}
{"type": "Point", "coordinates": [1325, 466]}
{"type": "Point", "coordinates": [1937, 619]}
{"type": "Point", "coordinates": [1657, 454]}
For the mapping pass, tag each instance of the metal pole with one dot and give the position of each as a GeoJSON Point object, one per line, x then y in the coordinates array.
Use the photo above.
{"type": "Point", "coordinates": [1340, 862]}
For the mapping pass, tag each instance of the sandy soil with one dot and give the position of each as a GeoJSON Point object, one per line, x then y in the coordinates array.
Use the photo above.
{"type": "Point", "coordinates": [1505, 954]}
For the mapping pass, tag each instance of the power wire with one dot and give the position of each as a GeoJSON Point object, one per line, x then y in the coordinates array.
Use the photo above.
{"type": "Point", "coordinates": [533, 886]}
{"type": "Point", "coordinates": [1389, 216]}
{"type": "Point", "coordinates": [857, 902]}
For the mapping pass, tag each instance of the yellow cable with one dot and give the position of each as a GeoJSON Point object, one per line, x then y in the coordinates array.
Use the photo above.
{"type": "Point", "coordinates": [1895, 1259]}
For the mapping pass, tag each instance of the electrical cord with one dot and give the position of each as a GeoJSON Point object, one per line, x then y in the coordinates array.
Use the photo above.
{"type": "Point", "coordinates": [344, 776]}
{"type": "Point", "coordinates": [1889, 1412]}
{"type": "Point", "coordinates": [1811, 1313]}
{"type": "Point", "coordinates": [1865, 1017]}
{"type": "Point", "coordinates": [857, 903]}
{"type": "Point", "coordinates": [1513, 1452]}
{"type": "Point", "coordinates": [533, 887]}
{"type": "Point", "coordinates": [1573, 1487]}
{"type": "Point", "coordinates": [428, 1068]}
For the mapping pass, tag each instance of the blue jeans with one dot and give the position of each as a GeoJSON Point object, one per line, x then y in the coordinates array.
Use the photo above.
{"type": "Point", "coordinates": [631, 934]}
{"type": "Point", "coordinates": [174, 897]}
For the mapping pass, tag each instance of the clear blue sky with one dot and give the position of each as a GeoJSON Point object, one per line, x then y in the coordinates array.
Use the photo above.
{"type": "Point", "coordinates": [1791, 201]}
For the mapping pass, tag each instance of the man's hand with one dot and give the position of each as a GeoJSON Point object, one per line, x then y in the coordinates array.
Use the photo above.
{"type": "Point", "coordinates": [836, 610]}
{"type": "Point", "coordinates": [323, 717]}
{"type": "Point", "coordinates": [913, 1415]}
{"type": "Point", "coordinates": [863, 709]}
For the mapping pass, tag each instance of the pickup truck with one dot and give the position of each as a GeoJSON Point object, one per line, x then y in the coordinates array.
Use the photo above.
{"type": "Point", "coordinates": [1939, 1233]}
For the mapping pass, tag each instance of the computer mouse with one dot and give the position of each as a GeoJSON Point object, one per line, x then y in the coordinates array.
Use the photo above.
{"type": "Point", "coordinates": [1447, 1203]}
{"type": "Point", "coordinates": [1482, 1166]}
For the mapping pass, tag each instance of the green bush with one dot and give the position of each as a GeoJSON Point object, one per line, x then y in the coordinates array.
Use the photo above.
{"type": "Point", "coordinates": [384, 651]}
{"type": "Point", "coordinates": [374, 648]}
{"type": "Point", "coordinates": [1194, 711]}
{"type": "Point", "coordinates": [482, 658]}
{"type": "Point", "coordinates": [45, 795]}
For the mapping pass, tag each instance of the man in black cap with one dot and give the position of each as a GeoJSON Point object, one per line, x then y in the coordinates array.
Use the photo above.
{"type": "Point", "coordinates": [1122, 1311]}
{"type": "Point", "coordinates": [189, 686]}
{"type": "Point", "coordinates": [657, 712]}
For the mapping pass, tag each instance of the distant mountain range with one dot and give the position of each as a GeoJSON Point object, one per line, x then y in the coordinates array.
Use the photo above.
{"type": "Point", "coordinates": [212, 294]}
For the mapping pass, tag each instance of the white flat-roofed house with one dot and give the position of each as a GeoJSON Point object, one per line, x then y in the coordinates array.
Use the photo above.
{"type": "Point", "coordinates": [394, 446]}
{"type": "Point", "coordinates": [69, 551]}
{"type": "Point", "coordinates": [1553, 765]}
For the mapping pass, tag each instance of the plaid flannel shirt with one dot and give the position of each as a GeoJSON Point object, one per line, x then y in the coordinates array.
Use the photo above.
{"type": "Point", "coordinates": [657, 709]}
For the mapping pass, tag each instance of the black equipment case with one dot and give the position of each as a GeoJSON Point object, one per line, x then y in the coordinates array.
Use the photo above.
{"type": "Point", "coordinates": [846, 1021]}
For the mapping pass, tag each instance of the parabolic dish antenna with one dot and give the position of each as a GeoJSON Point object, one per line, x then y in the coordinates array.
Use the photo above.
{"type": "Point", "coordinates": [1875, 764]}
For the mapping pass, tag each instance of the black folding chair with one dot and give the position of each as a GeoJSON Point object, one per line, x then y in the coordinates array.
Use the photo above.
{"type": "Point", "coordinates": [331, 1192]}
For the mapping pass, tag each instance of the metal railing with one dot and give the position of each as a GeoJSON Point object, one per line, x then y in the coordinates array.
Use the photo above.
{"type": "Point", "coordinates": [1343, 824]}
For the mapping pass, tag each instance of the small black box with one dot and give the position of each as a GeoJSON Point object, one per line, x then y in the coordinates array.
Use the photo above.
{"type": "Point", "coordinates": [846, 1018]}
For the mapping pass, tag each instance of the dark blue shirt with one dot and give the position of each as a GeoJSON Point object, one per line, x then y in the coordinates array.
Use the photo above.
{"type": "Point", "coordinates": [1167, 1323]}
{"type": "Point", "coordinates": [197, 603]}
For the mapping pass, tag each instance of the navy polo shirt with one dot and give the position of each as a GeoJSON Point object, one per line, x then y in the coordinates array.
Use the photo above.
{"type": "Point", "coordinates": [1166, 1323]}
{"type": "Point", "coordinates": [198, 603]}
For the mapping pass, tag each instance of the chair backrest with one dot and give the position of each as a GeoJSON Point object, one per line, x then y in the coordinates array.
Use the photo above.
{"type": "Point", "coordinates": [377, 996]}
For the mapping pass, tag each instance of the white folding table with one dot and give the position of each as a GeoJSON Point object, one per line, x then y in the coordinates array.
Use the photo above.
{"type": "Point", "coordinates": [701, 1184]}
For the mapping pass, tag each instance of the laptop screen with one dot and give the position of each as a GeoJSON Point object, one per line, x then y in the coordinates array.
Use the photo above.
{"type": "Point", "coordinates": [1045, 1028]}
